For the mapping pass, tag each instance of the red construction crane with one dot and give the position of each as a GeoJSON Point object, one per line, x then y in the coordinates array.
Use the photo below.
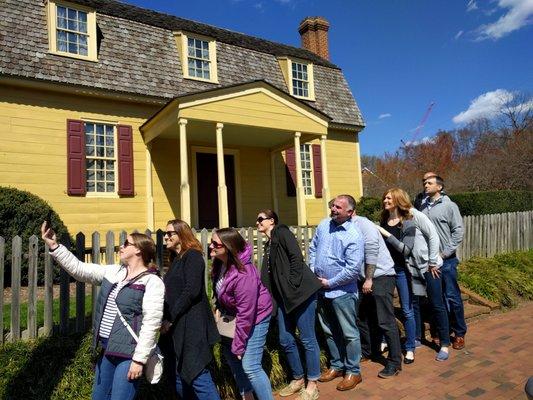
{"type": "Point", "coordinates": [420, 125]}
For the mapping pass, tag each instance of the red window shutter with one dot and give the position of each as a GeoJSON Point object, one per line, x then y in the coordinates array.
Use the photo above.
{"type": "Point", "coordinates": [125, 160]}
{"type": "Point", "coordinates": [290, 172]}
{"type": "Point", "coordinates": [317, 169]}
{"type": "Point", "coordinates": [76, 158]}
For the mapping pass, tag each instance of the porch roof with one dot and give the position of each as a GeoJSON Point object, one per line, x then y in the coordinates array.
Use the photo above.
{"type": "Point", "coordinates": [271, 113]}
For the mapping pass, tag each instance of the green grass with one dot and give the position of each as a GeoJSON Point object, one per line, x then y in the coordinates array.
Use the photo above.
{"type": "Point", "coordinates": [506, 279]}
{"type": "Point", "coordinates": [40, 312]}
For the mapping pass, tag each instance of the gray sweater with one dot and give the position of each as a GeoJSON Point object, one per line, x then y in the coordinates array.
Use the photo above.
{"type": "Point", "coordinates": [447, 219]}
{"type": "Point", "coordinates": [376, 252]}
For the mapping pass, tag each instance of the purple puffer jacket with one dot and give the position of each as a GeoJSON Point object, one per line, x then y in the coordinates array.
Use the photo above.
{"type": "Point", "coordinates": [242, 294]}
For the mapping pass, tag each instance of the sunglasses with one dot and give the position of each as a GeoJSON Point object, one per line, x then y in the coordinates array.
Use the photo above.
{"type": "Point", "coordinates": [216, 245]}
{"type": "Point", "coordinates": [261, 219]}
{"type": "Point", "coordinates": [170, 233]}
{"type": "Point", "coordinates": [126, 244]}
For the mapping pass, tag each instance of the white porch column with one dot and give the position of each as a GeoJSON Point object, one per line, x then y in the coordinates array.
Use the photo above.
{"type": "Point", "coordinates": [223, 212]}
{"type": "Point", "coordinates": [300, 194]}
{"type": "Point", "coordinates": [149, 189]}
{"type": "Point", "coordinates": [185, 191]}
{"type": "Point", "coordinates": [275, 204]}
{"type": "Point", "coordinates": [325, 181]}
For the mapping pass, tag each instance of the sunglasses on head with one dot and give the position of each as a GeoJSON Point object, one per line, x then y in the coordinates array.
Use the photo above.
{"type": "Point", "coordinates": [216, 245]}
{"type": "Point", "coordinates": [261, 219]}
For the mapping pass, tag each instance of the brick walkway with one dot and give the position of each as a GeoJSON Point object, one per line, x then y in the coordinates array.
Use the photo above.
{"type": "Point", "coordinates": [494, 365]}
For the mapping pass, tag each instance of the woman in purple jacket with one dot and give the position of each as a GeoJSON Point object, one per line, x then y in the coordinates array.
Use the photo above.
{"type": "Point", "coordinates": [240, 293]}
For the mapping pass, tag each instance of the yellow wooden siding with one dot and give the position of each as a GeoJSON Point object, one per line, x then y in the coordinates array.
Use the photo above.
{"type": "Point", "coordinates": [256, 184]}
{"type": "Point", "coordinates": [256, 109]}
{"type": "Point", "coordinates": [33, 155]}
{"type": "Point", "coordinates": [343, 160]}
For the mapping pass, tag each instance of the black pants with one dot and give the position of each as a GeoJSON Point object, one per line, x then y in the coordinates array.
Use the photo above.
{"type": "Point", "coordinates": [375, 319]}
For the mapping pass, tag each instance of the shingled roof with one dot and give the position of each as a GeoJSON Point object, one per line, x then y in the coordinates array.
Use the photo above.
{"type": "Point", "coordinates": [137, 54]}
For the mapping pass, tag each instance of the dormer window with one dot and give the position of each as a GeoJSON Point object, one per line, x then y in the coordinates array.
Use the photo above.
{"type": "Point", "coordinates": [298, 75]}
{"type": "Point", "coordinates": [300, 79]}
{"type": "Point", "coordinates": [72, 30]}
{"type": "Point", "coordinates": [198, 56]}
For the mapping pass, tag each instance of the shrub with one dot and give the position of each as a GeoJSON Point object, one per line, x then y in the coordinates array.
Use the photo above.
{"type": "Point", "coordinates": [505, 279]}
{"type": "Point", "coordinates": [369, 207]}
{"type": "Point", "coordinates": [502, 201]}
{"type": "Point", "coordinates": [22, 213]}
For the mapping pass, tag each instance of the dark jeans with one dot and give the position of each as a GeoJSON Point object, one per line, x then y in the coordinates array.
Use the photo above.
{"type": "Point", "coordinates": [303, 318]}
{"type": "Point", "coordinates": [452, 295]}
{"type": "Point", "coordinates": [201, 388]}
{"type": "Point", "coordinates": [438, 309]}
{"type": "Point", "coordinates": [376, 318]}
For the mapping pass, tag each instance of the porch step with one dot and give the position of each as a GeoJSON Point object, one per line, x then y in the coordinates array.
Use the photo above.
{"type": "Point", "coordinates": [474, 310]}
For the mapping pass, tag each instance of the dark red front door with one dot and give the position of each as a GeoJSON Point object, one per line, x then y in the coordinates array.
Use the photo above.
{"type": "Point", "coordinates": [206, 173]}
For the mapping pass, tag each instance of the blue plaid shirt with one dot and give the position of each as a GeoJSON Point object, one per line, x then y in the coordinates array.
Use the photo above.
{"type": "Point", "coordinates": [336, 253]}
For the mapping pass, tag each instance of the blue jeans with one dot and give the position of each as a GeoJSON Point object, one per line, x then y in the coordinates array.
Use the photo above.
{"type": "Point", "coordinates": [303, 318]}
{"type": "Point", "coordinates": [403, 285]}
{"type": "Point", "coordinates": [111, 379]}
{"type": "Point", "coordinates": [201, 388]}
{"type": "Point", "coordinates": [438, 309]}
{"type": "Point", "coordinates": [338, 320]}
{"type": "Point", "coordinates": [452, 296]}
{"type": "Point", "coordinates": [248, 372]}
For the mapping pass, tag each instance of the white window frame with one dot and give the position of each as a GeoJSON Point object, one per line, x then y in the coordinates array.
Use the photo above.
{"type": "Point", "coordinates": [286, 64]}
{"type": "Point", "coordinates": [182, 42]}
{"type": "Point", "coordinates": [306, 149]}
{"type": "Point", "coordinates": [113, 194]}
{"type": "Point", "coordinates": [53, 28]}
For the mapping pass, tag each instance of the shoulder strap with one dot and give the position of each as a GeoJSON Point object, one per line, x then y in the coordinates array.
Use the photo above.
{"type": "Point", "coordinates": [128, 327]}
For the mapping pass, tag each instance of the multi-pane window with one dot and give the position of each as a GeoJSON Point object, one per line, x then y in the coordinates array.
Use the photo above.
{"type": "Point", "coordinates": [71, 31]}
{"type": "Point", "coordinates": [100, 156]}
{"type": "Point", "coordinates": [305, 154]}
{"type": "Point", "coordinates": [300, 80]}
{"type": "Point", "coordinates": [198, 58]}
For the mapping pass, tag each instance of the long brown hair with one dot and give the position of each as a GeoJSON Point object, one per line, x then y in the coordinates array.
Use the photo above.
{"type": "Point", "coordinates": [186, 235]}
{"type": "Point", "coordinates": [146, 246]}
{"type": "Point", "coordinates": [234, 244]}
{"type": "Point", "coordinates": [401, 200]}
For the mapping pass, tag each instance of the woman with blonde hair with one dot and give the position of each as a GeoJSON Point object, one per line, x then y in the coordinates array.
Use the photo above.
{"type": "Point", "coordinates": [414, 274]}
{"type": "Point", "coordinates": [189, 331]}
{"type": "Point", "coordinates": [131, 293]}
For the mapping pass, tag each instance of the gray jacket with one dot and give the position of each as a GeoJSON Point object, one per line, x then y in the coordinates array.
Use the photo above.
{"type": "Point", "coordinates": [447, 219]}
{"type": "Point", "coordinates": [376, 252]}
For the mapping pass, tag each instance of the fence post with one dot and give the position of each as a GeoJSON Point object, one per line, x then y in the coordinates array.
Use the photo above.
{"type": "Point", "coordinates": [80, 286]}
{"type": "Point", "coordinates": [260, 248]}
{"type": "Point", "coordinates": [2, 258]}
{"type": "Point", "coordinates": [48, 292]}
{"type": "Point", "coordinates": [64, 296]}
{"type": "Point", "coordinates": [109, 248]}
{"type": "Point", "coordinates": [33, 253]}
{"type": "Point", "coordinates": [306, 244]}
{"type": "Point", "coordinates": [160, 249]}
{"type": "Point", "coordinates": [16, 254]}
{"type": "Point", "coordinates": [95, 259]}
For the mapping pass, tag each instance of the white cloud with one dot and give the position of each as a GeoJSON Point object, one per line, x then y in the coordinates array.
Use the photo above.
{"type": "Point", "coordinates": [386, 115]}
{"type": "Point", "coordinates": [424, 140]}
{"type": "Point", "coordinates": [488, 105]}
{"type": "Point", "coordinates": [471, 6]}
{"type": "Point", "coordinates": [458, 35]}
{"type": "Point", "coordinates": [519, 14]}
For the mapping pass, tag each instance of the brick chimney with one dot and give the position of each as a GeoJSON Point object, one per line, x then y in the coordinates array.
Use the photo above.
{"type": "Point", "coordinates": [314, 33]}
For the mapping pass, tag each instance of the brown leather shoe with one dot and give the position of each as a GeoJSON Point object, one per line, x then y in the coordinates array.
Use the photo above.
{"type": "Point", "coordinates": [329, 375]}
{"type": "Point", "coordinates": [459, 343]}
{"type": "Point", "coordinates": [349, 382]}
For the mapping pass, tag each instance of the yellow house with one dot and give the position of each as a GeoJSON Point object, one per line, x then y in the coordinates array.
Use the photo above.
{"type": "Point", "coordinates": [123, 118]}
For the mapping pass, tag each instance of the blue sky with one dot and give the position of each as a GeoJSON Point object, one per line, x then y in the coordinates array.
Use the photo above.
{"type": "Point", "coordinates": [467, 56]}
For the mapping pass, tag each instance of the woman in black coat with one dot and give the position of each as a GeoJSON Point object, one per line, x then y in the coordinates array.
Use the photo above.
{"type": "Point", "coordinates": [293, 287]}
{"type": "Point", "coordinates": [188, 330]}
